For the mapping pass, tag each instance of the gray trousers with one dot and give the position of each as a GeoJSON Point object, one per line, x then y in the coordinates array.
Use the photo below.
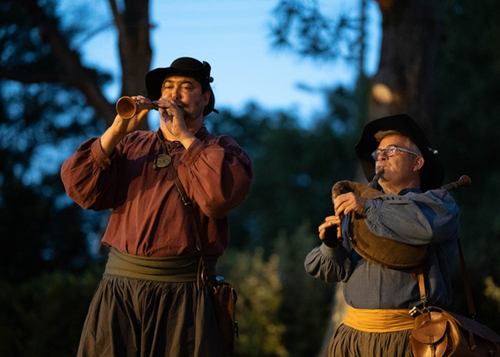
{"type": "Point", "coordinates": [141, 316]}
{"type": "Point", "coordinates": [349, 342]}
{"type": "Point", "coordinates": [133, 317]}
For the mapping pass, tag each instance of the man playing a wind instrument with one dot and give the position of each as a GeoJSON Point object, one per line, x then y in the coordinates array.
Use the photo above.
{"type": "Point", "coordinates": [155, 297]}
{"type": "Point", "coordinates": [408, 209]}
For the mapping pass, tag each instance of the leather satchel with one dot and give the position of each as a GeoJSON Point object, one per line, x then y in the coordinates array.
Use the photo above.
{"type": "Point", "coordinates": [225, 307]}
{"type": "Point", "coordinates": [439, 333]}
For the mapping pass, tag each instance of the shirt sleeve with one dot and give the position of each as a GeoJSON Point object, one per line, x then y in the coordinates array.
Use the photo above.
{"type": "Point", "coordinates": [329, 264]}
{"type": "Point", "coordinates": [217, 175]}
{"type": "Point", "coordinates": [87, 178]}
{"type": "Point", "coordinates": [413, 218]}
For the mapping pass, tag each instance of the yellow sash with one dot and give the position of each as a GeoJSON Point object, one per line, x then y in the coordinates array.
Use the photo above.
{"type": "Point", "coordinates": [379, 320]}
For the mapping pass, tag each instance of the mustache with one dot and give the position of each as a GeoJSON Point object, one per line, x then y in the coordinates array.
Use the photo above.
{"type": "Point", "coordinates": [180, 104]}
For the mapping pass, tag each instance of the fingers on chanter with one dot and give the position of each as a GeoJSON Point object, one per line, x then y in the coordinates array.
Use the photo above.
{"type": "Point", "coordinates": [328, 222]}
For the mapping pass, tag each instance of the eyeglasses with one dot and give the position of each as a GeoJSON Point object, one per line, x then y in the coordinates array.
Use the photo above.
{"type": "Point", "coordinates": [390, 151]}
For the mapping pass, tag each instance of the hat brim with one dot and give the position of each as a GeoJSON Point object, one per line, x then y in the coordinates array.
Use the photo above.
{"type": "Point", "coordinates": [432, 173]}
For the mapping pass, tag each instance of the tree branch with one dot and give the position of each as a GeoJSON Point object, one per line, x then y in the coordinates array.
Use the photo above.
{"type": "Point", "coordinates": [71, 72]}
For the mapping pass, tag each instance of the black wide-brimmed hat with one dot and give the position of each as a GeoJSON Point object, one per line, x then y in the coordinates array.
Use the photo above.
{"type": "Point", "coordinates": [184, 66]}
{"type": "Point", "coordinates": [432, 173]}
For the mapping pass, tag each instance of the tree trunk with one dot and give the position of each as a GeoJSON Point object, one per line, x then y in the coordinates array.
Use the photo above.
{"type": "Point", "coordinates": [404, 82]}
{"type": "Point", "coordinates": [134, 45]}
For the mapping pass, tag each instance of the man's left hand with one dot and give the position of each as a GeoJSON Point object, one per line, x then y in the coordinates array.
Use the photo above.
{"type": "Point", "coordinates": [173, 116]}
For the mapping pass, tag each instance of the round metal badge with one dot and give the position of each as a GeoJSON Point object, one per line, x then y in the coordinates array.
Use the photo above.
{"type": "Point", "coordinates": [163, 160]}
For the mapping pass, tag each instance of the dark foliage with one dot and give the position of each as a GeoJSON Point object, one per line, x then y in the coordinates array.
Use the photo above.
{"type": "Point", "coordinates": [302, 26]}
{"type": "Point", "coordinates": [467, 127]}
{"type": "Point", "coordinates": [295, 168]}
{"type": "Point", "coordinates": [44, 316]}
{"type": "Point", "coordinates": [39, 229]}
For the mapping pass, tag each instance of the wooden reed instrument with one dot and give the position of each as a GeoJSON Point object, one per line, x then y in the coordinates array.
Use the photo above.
{"type": "Point", "coordinates": [126, 107]}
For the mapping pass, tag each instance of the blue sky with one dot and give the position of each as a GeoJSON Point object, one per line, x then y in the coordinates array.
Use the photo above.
{"type": "Point", "coordinates": [234, 37]}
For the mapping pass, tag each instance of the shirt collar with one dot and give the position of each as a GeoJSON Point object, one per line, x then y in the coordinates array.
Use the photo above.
{"type": "Point", "coordinates": [200, 134]}
{"type": "Point", "coordinates": [404, 191]}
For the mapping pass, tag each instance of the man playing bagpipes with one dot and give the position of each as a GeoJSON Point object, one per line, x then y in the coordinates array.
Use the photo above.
{"type": "Point", "coordinates": [384, 233]}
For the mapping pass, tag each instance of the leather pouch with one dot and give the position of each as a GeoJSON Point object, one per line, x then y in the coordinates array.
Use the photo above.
{"type": "Point", "coordinates": [225, 305]}
{"type": "Point", "coordinates": [438, 333]}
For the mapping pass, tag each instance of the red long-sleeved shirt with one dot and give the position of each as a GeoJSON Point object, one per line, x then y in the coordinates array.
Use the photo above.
{"type": "Point", "coordinates": [148, 217]}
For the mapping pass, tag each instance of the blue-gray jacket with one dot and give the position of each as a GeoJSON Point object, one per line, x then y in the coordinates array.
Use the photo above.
{"type": "Point", "coordinates": [411, 217]}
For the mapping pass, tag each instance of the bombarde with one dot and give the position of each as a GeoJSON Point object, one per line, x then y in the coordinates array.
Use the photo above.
{"type": "Point", "coordinates": [127, 107]}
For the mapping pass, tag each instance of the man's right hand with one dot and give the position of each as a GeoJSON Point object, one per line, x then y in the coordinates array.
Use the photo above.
{"type": "Point", "coordinates": [328, 231]}
{"type": "Point", "coordinates": [121, 127]}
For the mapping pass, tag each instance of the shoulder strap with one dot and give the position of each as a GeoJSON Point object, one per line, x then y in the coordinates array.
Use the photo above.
{"type": "Point", "coordinates": [188, 204]}
{"type": "Point", "coordinates": [203, 271]}
{"type": "Point", "coordinates": [465, 279]}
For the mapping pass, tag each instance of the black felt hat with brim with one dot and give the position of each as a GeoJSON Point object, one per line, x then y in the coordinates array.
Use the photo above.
{"type": "Point", "coordinates": [432, 173]}
{"type": "Point", "coordinates": [184, 66]}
